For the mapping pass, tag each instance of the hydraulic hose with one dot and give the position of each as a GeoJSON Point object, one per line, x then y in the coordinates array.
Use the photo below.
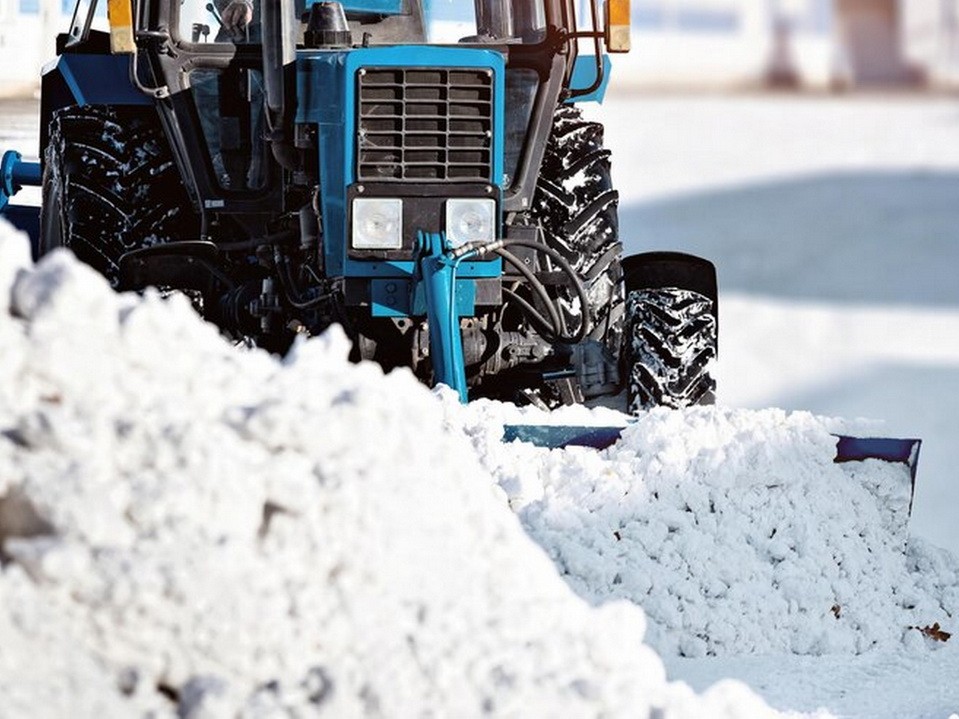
{"type": "Point", "coordinates": [554, 323]}
{"type": "Point", "coordinates": [289, 289]}
{"type": "Point", "coordinates": [568, 270]}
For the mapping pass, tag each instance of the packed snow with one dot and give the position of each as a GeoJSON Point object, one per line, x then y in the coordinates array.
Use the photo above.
{"type": "Point", "coordinates": [814, 554]}
{"type": "Point", "coordinates": [834, 227]}
{"type": "Point", "coordinates": [197, 531]}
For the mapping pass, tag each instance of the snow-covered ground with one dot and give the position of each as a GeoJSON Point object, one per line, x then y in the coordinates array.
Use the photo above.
{"type": "Point", "coordinates": [397, 582]}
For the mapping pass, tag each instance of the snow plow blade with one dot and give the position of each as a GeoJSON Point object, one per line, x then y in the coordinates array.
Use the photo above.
{"type": "Point", "coordinates": [848, 449]}
{"type": "Point", "coordinates": [562, 436]}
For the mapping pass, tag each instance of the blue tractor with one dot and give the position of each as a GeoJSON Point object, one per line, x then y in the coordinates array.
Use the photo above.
{"type": "Point", "coordinates": [417, 171]}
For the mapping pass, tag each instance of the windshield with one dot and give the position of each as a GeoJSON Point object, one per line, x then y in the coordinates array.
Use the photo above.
{"type": "Point", "coordinates": [456, 21]}
{"type": "Point", "coordinates": [379, 22]}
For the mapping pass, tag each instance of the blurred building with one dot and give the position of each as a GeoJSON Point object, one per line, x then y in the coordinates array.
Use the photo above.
{"type": "Point", "coordinates": [815, 43]}
{"type": "Point", "coordinates": [28, 30]}
{"type": "Point", "coordinates": [676, 43]}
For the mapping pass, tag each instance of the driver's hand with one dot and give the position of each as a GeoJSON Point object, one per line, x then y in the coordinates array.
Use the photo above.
{"type": "Point", "coordinates": [237, 15]}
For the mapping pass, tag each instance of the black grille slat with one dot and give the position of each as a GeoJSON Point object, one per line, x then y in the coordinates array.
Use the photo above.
{"type": "Point", "coordinates": [425, 124]}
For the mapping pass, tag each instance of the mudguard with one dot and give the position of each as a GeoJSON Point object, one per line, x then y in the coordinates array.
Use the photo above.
{"type": "Point", "coordinates": [653, 270]}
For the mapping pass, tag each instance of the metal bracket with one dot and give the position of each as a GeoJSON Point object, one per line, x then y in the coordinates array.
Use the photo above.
{"type": "Point", "coordinates": [438, 270]}
{"type": "Point", "coordinates": [14, 174]}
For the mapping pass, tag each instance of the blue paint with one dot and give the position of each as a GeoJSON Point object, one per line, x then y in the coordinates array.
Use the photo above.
{"type": "Point", "coordinates": [326, 96]}
{"type": "Point", "coordinates": [99, 79]}
{"type": "Point", "coordinates": [14, 174]}
{"type": "Point", "coordinates": [407, 268]}
{"type": "Point", "coordinates": [584, 74]}
{"type": "Point", "coordinates": [374, 7]}
{"type": "Point", "coordinates": [438, 271]}
{"type": "Point", "coordinates": [559, 436]}
{"type": "Point", "coordinates": [888, 449]}
{"type": "Point", "coordinates": [390, 297]}
{"type": "Point", "coordinates": [407, 298]}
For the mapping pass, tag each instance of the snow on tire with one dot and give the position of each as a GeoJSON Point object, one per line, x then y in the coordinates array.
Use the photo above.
{"type": "Point", "coordinates": [576, 207]}
{"type": "Point", "coordinates": [110, 185]}
{"type": "Point", "coordinates": [671, 341]}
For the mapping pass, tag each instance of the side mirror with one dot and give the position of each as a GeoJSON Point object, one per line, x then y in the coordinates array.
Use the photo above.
{"type": "Point", "coordinates": [617, 28]}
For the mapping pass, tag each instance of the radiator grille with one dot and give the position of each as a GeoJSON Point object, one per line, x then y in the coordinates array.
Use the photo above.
{"type": "Point", "coordinates": [425, 124]}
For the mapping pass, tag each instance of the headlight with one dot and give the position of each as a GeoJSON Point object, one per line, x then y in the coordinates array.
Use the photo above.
{"type": "Point", "coordinates": [470, 221]}
{"type": "Point", "coordinates": [377, 224]}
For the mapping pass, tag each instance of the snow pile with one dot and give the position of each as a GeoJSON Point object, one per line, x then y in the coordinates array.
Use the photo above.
{"type": "Point", "coordinates": [735, 531]}
{"type": "Point", "coordinates": [189, 530]}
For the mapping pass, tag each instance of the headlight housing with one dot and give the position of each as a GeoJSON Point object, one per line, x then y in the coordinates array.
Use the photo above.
{"type": "Point", "coordinates": [377, 223]}
{"type": "Point", "coordinates": [472, 220]}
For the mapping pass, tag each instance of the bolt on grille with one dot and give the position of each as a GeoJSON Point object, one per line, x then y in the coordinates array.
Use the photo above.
{"type": "Point", "coordinates": [425, 124]}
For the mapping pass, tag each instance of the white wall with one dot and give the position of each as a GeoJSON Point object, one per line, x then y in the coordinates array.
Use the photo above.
{"type": "Point", "coordinates": [931, 37]}
{"type": "Point", "coordinates": [696, 58]}
{"type": "Point", "coordinates": [27, 42]}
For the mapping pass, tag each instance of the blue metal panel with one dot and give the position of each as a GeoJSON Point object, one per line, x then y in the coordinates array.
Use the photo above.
{"type": "Point", "coordinates": [390, 297]}
{"type": "Point", "coordinates": [99, 79]}
{"type": "Point", "coordinates": [465, 299]}
{"type": "Point", "coordinates": [559, 436]}
{"type": "Point", "coordinates": [479, 269]}
{"type": "Point", "coordinates": [406, 268]}
{"type": "Point", "coordinates": [584, 73]}
{"type": "Point", "coordinates": [321, 99]}
{"type": "Point", "coordinates": [378, 7]}
{"type": "Point", "coordinates": [326, 92]}
{"type": "Point", "coordinates": [888, 449]}
{"type": "Point", "coordinates": [403, 298]}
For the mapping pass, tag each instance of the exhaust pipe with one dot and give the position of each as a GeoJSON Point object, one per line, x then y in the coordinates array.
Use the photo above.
{"type": "Point", "coordinates": [279, 55]}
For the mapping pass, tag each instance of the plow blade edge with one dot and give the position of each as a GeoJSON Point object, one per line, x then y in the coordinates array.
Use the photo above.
{"type": "Point", "coordinates": [848, 449]}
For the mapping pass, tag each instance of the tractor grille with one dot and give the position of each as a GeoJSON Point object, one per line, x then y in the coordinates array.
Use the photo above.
{"type": "Point", "coordinates": [425, 124]}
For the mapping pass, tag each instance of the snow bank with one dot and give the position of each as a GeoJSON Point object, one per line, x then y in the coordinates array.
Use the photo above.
{"type": "Point", "coordinates": [190, 530]}
{"type": "Point", "coordinates": [735, 531]}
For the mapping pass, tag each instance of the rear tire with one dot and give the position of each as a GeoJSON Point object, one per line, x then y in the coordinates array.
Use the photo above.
{"type": "Point", "coordinates": [576, 207]}
{"type": "Point", "coordinates": [671, 340]}
{"type": "Point", "coordinates": [110, 186]}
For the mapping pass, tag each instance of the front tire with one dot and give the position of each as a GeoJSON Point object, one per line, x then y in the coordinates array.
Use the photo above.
{"type": "Point", "coordinates": [669, 346]}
